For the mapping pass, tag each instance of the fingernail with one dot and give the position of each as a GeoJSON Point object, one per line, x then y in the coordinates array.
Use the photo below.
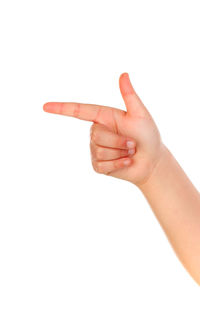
{"type": "Point", "coordinates": [127, 162]}
{"type": "Point", "coordinates": [131, 151]}
{"type": "Point", "coordinates": [129, 144]}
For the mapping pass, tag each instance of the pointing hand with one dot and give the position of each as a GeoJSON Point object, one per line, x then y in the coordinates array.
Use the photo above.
{"type": "Point", "coordinates": [124, 144]}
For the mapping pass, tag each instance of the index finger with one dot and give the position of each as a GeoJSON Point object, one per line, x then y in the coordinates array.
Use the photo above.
{"type": "Point", "coordinates": [89, 112]}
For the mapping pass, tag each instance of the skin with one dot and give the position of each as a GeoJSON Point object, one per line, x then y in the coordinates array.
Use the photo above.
{"type": "Point", "coordinates": [127, 145]}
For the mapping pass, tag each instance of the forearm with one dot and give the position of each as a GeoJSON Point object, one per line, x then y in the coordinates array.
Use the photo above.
{"type": "Point", "coordinates": [176, 204]}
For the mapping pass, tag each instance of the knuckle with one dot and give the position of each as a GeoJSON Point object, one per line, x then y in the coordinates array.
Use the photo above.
{"type": "Point", "coordinates": [91, 150]}
{"type": "Point", "coordinates": [99, 167]}
{"type": "Point", "coordinates": [94, 135]}
{"type": "Point", "coordinates": [92, 129]}
{"type": "Point", "coordinates": [95, 132]}
{"type": "Point", "coordinates": [96, 167]}
{"type": "Point", "coordinates": [115, 164]}
{"type": "Point", "coordinates": [99, 153]}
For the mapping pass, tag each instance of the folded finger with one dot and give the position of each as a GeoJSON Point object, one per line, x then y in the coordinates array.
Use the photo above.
{"type": "Point", "coordinates": [105, 153]}
{"type": "Point", "coordinates": [100, 135]}
{"type": "Point", "coordinates": [107, 167]}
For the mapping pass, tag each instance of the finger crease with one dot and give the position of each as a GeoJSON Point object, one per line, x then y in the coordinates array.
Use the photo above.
{"type": "Point", "coordinates": [97, 115]}
{"type": "Point", "coordinates": [115, 123]}
{"type": "Point", "coordinates": [76, 111]}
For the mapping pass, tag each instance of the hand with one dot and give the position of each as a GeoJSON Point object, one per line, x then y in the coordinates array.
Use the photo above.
{"type": "Point", "coordinates": [111, 130]}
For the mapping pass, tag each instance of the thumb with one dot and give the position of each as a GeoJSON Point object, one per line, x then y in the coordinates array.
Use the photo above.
{"type": "Point", "coordinates": [132, 101]}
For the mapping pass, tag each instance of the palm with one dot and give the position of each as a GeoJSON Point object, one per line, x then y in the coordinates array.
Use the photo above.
{"type": "Point", "coordinates": [147, 137]}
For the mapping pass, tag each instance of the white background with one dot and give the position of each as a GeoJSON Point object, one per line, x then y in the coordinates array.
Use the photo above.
{"type": "Point", "coordinates": [72, 239]}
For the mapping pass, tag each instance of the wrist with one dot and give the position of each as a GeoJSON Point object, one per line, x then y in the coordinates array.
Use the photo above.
{"type": "Point", "coordinates": [159, 168]}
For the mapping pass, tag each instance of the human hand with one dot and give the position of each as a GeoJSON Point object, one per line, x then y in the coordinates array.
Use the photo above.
{"type": "Point", "coordinates": [111, 130]}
